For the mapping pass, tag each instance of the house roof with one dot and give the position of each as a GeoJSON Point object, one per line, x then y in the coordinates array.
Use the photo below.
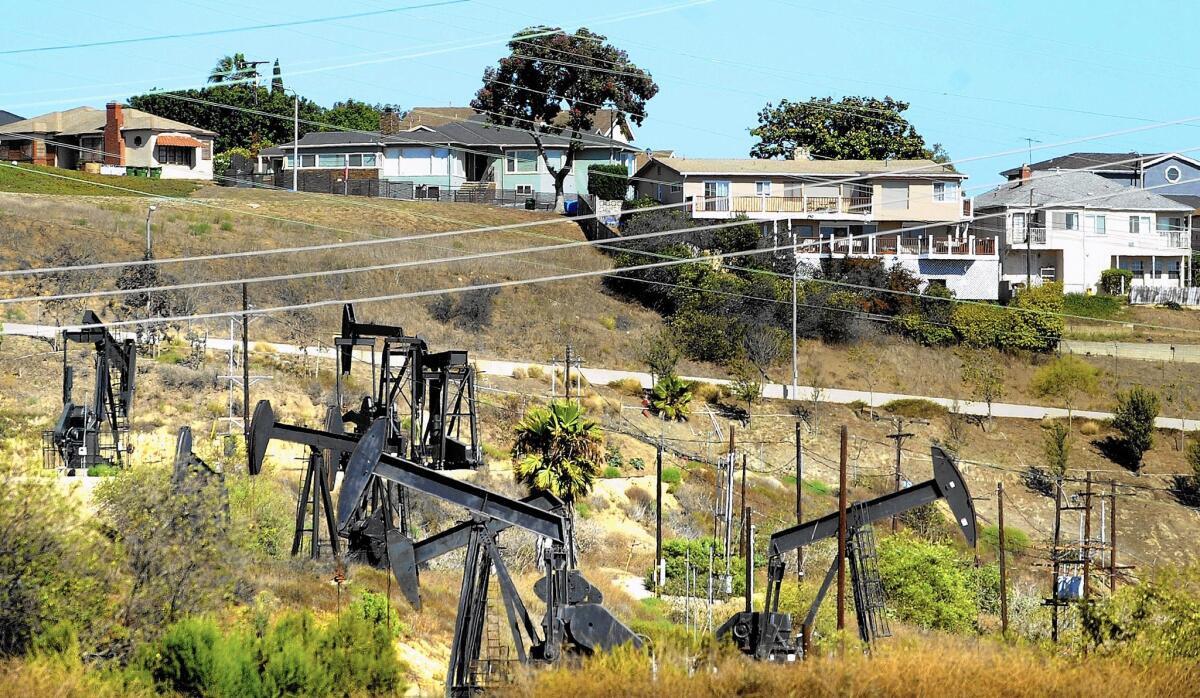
{"type": "Point", "coordinates": [1078, 189]}
{"type": "Point", "coordinates": [1186, 200]}
{"type": "Point", "coordinates": [434, 117]}
{"type": "Point", "coordinates": [1125, 163]}
{"type": "Point", "coordinates": [81, 120]}
{"type": "Point", "coordinates": [754, 166]}
{"type": "Point", "coordinates": [473, 133]}
{"type": "Point", "coordinates": [7, 117]}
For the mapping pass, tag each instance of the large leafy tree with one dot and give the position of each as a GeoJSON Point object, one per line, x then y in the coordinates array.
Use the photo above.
{"type": "Point", "coordinates": [243, 115]}
{"type": "Point", "coordinates": [553, 83]}
{"type": "Point", "coordinates": [352, 115]}
{"type": "Point", "coordinates": [851, 128]}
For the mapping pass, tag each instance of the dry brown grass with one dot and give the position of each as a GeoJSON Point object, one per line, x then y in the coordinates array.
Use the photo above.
{"type": "Point", "coordinates": [928, 667]}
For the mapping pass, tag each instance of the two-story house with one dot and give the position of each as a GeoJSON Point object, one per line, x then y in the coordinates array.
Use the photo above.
{"type": "Point", "coordinates": [1069, 226]}
{"type": "Point", "coordinates": [1173, 175]}
{"type": "Point", "coordinates": [444, 150]}
{"type": "Point", "coordinates": [910, 212]}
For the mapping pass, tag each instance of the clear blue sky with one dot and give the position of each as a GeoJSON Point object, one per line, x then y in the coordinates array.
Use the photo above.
{"type": "Point", "coordinates": [981, 76]}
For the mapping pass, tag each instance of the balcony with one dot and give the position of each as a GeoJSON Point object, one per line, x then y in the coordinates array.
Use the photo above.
{"type": "Point", "coordinates": [839, 205]}
{"type": "Point", "coordinates": [1035, 235]}
{"type": "Point", "coordinates": [885, 245]}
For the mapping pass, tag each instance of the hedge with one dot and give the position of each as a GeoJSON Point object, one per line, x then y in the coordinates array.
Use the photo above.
{"type": "Point", "coordinates": [608, 181]}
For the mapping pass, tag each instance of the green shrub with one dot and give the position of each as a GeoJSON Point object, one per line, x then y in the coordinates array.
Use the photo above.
{"type": "Point", "coordinates": [608, 181]}
{"type": "Point", "coordinates": [637, 464]}
{"type": "Point", "coordinates": [1016, 541]}
{"type": "Point", "coordinates": [818, 487]}
{"type": "Point", "coordinates": [930, 585]}
{"type": "Point", "coordinates": [226, 226]}
{"type": "Point", "coordinates": [671, 475]}
{"type": "Point", "coordinates": [102, 471]}
{"type": "Point", "coordinates": [1158, 618]}
{"type": "Point", "coordinates": [917, 408]}
{"type": "Point", "coordinates": [199, 229]}
{"type": "Point", "coordinates": [1099, 307]}
{"type": "Point", "coordinates": [1115, 281]}
{"type": "Point", "coordinates": [1137, 408]}
{"type": "Point", "coordinates": [671, 397]}
{"type": "Point", "coordinates": [979, 325]}
{"type": "Point", "coordinates": [374, 608]}
{"type": "Point", "coordinates": [676, 553]}
{"type": "Point", "coordinates": [493, 451]}
{"type": "Point", "coordinates": [611, 472]}
{"type": "Point", "coordinates": [295, 656]}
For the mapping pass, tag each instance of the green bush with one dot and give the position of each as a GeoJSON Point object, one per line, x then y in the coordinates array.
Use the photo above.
{"type": "Point", "coordinates": [1040, 326]}
{"type": "Point", "coordinates": [916, 408]}
{"type": "Point", "coordinates": [671, 475]}
{"type": "Point", "coordinates": [1016, 541]}
{"type": "Point", "coordinates": [102, 471]}
{"type": "Point", "coordinates": [374, 608]}
{"type": "Point", "coordinates": [1099, 307]}
{"type": "Point", "coordinates": [930, 585]}
{"type": "Point", "coordinates": [1137, 408]}
{"type": "Point", "coordinates": [1156, 619]}
{"type": "Point", "coordinates": [1115, 281]}
{"type": "Point", "coordinates": [295, 656]}
{"type": "Point", "coordinates": [607, 181]}
{"type": "Point", "coordinates": [676, 552]}
{"type": "Point", "coordinates": [611, 472]}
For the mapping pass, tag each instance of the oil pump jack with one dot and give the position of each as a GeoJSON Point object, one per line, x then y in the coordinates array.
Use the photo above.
{"type": "Point", "coordinates": [767, 634]}
{"type": "Point", "coordinates": [90, 433]}
{"type": "Point", "coordinates": [574, 619]}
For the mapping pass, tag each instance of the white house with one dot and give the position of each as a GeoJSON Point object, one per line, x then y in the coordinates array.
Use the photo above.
{"type": "Point", "coordinates": [118, 138]}
{"type": "Point", "coordinates": [1069, 226]}
{"type": "Point", "coordinates": [907, 212]}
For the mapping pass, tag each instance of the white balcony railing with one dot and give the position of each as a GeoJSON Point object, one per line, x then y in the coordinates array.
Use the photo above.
{"type": "Point", "coordinates": [903, 245]}
{"type": "Point", "coordinates": [1034, 235]}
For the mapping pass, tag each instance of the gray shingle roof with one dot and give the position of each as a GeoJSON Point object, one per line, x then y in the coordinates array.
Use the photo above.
{"type": "Point", "coordinates": [1066, 188]}
{"type": "Point", "coordinates": [7, 117]}
{"type": "Point", "coordinates": [1102, 162]}
{"type": "Point", "coordinates": [473, 133]}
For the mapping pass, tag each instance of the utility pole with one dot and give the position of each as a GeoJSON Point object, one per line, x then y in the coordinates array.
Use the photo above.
{"type": "Point", "coordinates": [799, 501]}
{"type": "Point", "coordinates": [898, 436]}
{"type": "Point", "coordinates": [149, 211]}
{"type": "Point", "coordinates": [841, 551]}
{"type": "Point", "coordinates": [748, 541]}
{"type": "Point", "coordinates": [1028, 243]}
{"type": "Point", "coordinates": [745, 521]}
{"type": "Point", "coordinates": [295, 142]}
{"type": "Point", "coordinates": [795, 353]}
{"type": "Point", "coordinates": [246, 377]}
{"type": "Point", "coordinates": [567, 375]}
{"type": "Point", "coordinates": [1085, 551]}
{"type": "Point", "coordinates": [1054, 560]}
{"type": "Point", "coordinates": [658, 521]}
{"type": "Point", "coordinates": [1112, 538]}
{"type": "Point", "coordinates": [1002, 553]}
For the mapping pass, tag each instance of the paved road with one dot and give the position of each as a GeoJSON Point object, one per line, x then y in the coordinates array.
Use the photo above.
{"type": "Point", "coordinates": [601, 376]}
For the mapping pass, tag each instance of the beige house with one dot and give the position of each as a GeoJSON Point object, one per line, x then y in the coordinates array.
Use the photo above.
{"type": "Point", "coordinates": [114, 139]}
{"type": "Point", "coordinates": [910, 212]}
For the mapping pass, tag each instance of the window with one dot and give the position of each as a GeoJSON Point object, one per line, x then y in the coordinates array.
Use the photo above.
{"type": "Point", "coordinates": [173, 155]}
{"type": "Point", "coordinates": [524, 190]}
{"type": "Point", "coordinates": [793, 189]}
{"type": "Point", "coordinates": [520, 161]}
{"type": "Point", "coordinates": [1168, 224]}
{"type": "Point", "coordinates": [361, 159]}
{"type": "Point", "coordinates": [137, 141]}
{"type": "Point", "coordinates": [895, 196]}
{"type": "Point", "coordinates": [1064, 220]}
{"type": "Point", "coordinates": [1019, 226]}
{"type": "Point", "coordinates": [1095, 224]}
{"type": "Point", "coordinates": [308, 161]}
{"type": "Point", "coordinates": [762, 188]}
{"type": "Point", "coordinates": [1138, 268]}
{"type": "Point", "coordinates": [331, 160]}
{"type": "Point", "coordinates": [1173, 270]}
{"type": "Point", "coordinates": [716, 196]}
{"type": "Point", "coordinates": [1173, 174]}
{"type": "Point", "coordinates": [369, 160]}
{"type": "Point", "coordinates": [945, 191]}
{"type": "Point", "coordinates": [1139, 224]}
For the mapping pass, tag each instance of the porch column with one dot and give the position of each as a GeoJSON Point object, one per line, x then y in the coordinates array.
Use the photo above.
{"type": "Point", "coordinates": [1153, 269]}
{"type": "Point", "coordinates": [775, 235]}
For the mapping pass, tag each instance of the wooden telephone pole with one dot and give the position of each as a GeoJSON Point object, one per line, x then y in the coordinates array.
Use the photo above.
{"type": "Point", "coordinates": [799, 501]}
{"type": "Point", "coordinates": [898, 436]}
{"type": "Point", "coordinates": [844, 461]}
{"type": "Point", "coordinates": [1002, 555]}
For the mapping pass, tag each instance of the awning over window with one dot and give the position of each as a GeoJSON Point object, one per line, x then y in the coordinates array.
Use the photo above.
{"type": "Point", "coordinates": [181, 141]}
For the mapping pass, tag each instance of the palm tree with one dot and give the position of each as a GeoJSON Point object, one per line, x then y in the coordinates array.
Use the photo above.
{"type": "Point", "coordinates": [558, 450]}
{"type": "Point", "coordinates": [232, 68]}
{"type": "Point", "coordinates": [671, 397]}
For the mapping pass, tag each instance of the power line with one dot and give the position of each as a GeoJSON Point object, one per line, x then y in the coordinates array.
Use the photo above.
{"type": "Point", "coordinates": [231, 30]}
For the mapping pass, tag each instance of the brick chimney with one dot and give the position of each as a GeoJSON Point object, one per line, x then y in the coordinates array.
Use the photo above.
{"type": "Point", "coordinates": [1026, 173]}
{"type": "Point", "coordinates": [114, 142]}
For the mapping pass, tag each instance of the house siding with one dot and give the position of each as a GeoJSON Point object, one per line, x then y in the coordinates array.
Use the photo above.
{"type": "Point", "coordinates": [1155, 178]}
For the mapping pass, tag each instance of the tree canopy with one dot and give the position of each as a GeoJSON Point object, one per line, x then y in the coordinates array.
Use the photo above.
{"type": "Point", "coordinates": [851, 128]}
{"type": "Point", "coordinates": [553, 83]}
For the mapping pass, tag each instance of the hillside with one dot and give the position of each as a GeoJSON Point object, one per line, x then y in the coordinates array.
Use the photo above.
{"type": "Point", "coordinates": [532, 324]}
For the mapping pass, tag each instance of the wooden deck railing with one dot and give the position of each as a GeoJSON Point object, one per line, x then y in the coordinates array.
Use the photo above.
{"type": "Point", "coordinates": [889, 245]}
{"type": "Point", "coordinates": [860, 205]}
